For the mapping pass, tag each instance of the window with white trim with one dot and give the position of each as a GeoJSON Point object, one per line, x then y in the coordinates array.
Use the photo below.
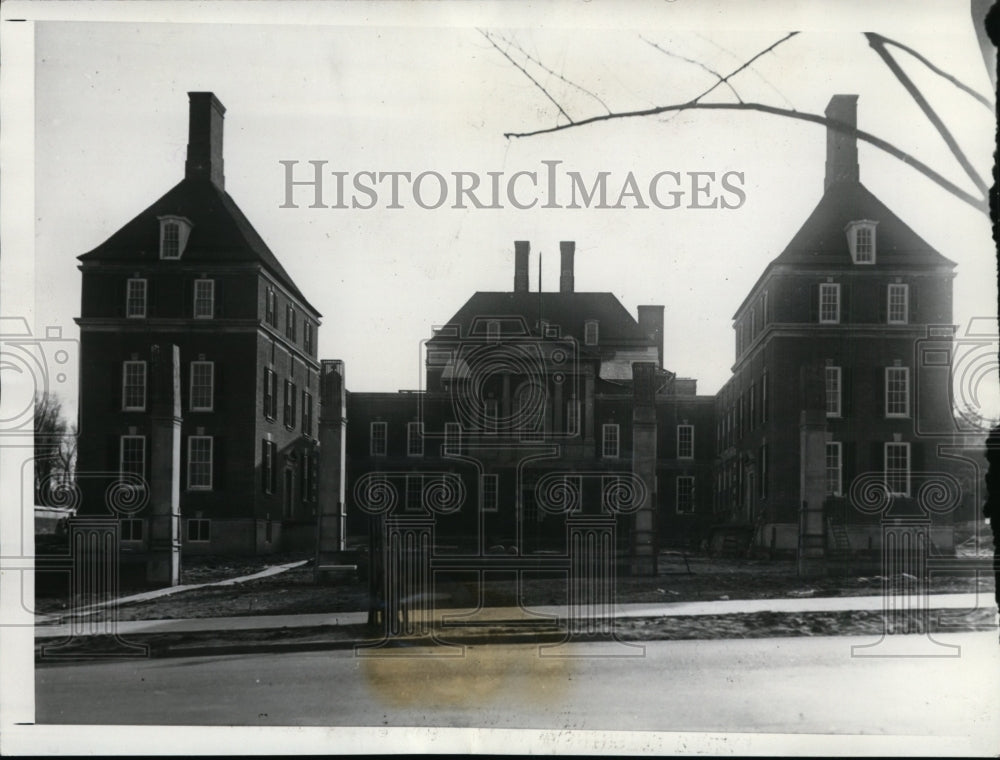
{"type": "Point", "coordinates": [590, 332]}
{"type": "Point", "coordinates": [307, 336]}
{"type": "Point", "coordinates": [490, 492]}
{"type": "Point", "coordinates": [609, 441]}
{"type": "Point", "coordinates": [268, 466]}
{"type": "Point", "coordinates": [307, 414]}
{"type": "Point", "coordinates": [270, 393]}
{"type": "Point", "coordinates": [414, 496]}
{"type": "Point", "coordinates": [685, 441]}
{"type": "Point", "coordinates": [204, 299]}
{"type": "Point", "coordinates": [269, 307]}
{"type": "Point", "coordinates": [133, 386]}
{"type": "Point", "coordinates": [378, 439]}
{"type": "Point", "coordinates": [834, 468]}
{"type": "Point", "coordinates": [897, 468]}
{"type": "Point", "coordinates": [861, 241]}
{"type": "Point", "coordinates": [291, 319]}
{"type": "Point", "coordinates": [897, 391]}
{"type": "Point", "coordinates": [131, 529]}
{"type": "Point", "coordinates": [202, 386]}
{"type": "Point", "coordinates": [199, 470]}
{"type": "Point", "coordinates": [199, 530]}
{"type": "Point", "coordinates": [763, 398]}
{"type": "Point", "coordinates": [132, 458]}
{"type": "Point", "coordinates": [414, 439]}
{"type": "Point", "coordinates": [897, 309]}
{"type": "Point", "coordinates": [290, 398]}
{"type": "Point", "coordinates": [135, 298]}
{"type": "Point", "coordinates": [685, 494]}
{"type": "Point", "coordinates": [829, 303]}
{"type": "Point", "coordinates": [833, 392]}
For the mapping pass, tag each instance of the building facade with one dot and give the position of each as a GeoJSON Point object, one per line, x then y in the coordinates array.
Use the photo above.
{"type": "Point", "coordinates": [190, 278]}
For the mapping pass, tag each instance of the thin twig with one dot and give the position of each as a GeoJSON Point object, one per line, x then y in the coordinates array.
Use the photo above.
{"type": "Point", "coordinates": [524, 71]}
{"type": "Point", "coordinates": [713, 72]}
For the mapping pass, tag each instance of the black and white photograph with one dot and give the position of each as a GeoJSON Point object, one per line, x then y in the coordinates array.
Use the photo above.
{"type": "Point", "coordinates": [507, 378]}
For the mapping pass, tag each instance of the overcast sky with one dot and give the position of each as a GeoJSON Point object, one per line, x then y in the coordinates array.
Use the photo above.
{"type": "Point", "coordinates": [427, 92]}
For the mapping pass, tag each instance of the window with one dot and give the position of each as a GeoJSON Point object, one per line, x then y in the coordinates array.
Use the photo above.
{"type": "Point", "coordinates": [170, 241]}
{"type": "Point", "coordinates": [763, 309]}
{"type": "Point", "coordinates": [202, 386]}
{"type": "Point", "coordinates": [135, 298]}
{"type": "Point", "coordinates": [199, 470]}
{"type": "Point", "coordinates": [590, 333]}
{"type": "Point", "coordinates": [490, 490]}
{"type": "Point", "coordinates": [829, 303]}
{"type": "Point", "coordinates": [289, 404]}
{"type": "Point", "coordinates": [307, 335]}
{"type": "Point", "coordinates": [377, 444]}
{"type": "Point", "coordinates": [131, 529]}
{"type": "Point", "coordinates": [414, 439]}
{"type": "Point", "coordinates": [307, 414]}
{"type": "Point", "coordinates": [897, 468]}
{"type": "Point", "coordinates": [132, 458]}
{"type": "Point", "coordinates": [493, 330]}
{"type": "Point", "coordinates": [270, 393]}
{"type": "Point", "coordinates": [134, 386]}
{"type": "Point", "coordinates": [573, 416]}
{"type": "Point", "coordinates": [685, 441]}
{"type": "Point", "coordinates": [268, 469]}
{"type": "Point", "coordinates": [609, 441]}
{"type": "Point", "coordinates": [897, 391]}
{"type": "Point", "coordinates": [753, 323]}
{"type": "Point", "coordinates": [290, 320]}
{"type": "Point", "coordinates": [685, 494]}
{"type": "Point", "coordinates": [414, 493]}
{"type": "Point", "coordinates": [762, 456]}
{"type": "Point", "coordinates": [763, 398]}
{"type": "Point", "coordinates": [204, 299]}
{"type": "Point", "coordinates": [199, 530]}
{"type": "Point", "coordinates": [834, 468]}
{"type": "Point", "coordinates": [753, 406]}
{"type": "Point", "coordinates": [833, 390]}
{"type": "Point", "coordinates": [898, 305]}
{"type": "Point", "coordinates": [861, 240]}
{"type": "Point", "coordinates": [452, 437]}
{"type": "Point", "coordinates": [269, 307]}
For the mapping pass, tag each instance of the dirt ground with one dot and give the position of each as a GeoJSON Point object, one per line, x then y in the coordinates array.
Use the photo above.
{"type": "Point", "coordinates": [680, 579]}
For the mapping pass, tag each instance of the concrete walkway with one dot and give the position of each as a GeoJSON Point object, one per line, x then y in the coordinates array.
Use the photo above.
{"type": "Point", "coordinates": [502, 615]}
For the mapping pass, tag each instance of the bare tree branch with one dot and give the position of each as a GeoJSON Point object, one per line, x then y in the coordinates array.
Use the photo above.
{"type": "Point", "coordinates": [525, 72]}
{"type": "Point", "coordinates": [729, 76]}
{"type": "Point", "coordinates": [977, 203]}
{"type": "Point", "coordinates": [713, 72]}
{"type": "Point", "coordinates": [542, 66]}
{"type": "Point", "coordinates": [755, 72]}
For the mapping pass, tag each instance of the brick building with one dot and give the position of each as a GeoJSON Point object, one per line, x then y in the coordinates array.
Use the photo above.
{"type": "Point", "coordinates": [191, 272]}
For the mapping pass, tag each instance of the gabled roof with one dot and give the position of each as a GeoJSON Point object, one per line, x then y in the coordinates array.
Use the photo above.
{"type": "Point", "coordinates": [220, 233]}
{"type": "Point", "coordinates": [568, 310]}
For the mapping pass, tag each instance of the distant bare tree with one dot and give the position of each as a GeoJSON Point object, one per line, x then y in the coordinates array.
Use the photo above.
{"type": "Point", "coordinates": [55, 446]}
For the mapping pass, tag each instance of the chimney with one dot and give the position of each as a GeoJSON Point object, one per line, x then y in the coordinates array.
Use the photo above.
{"type": "Point", "coordinates": [566, 250]}
{"type": "Point", "coordinates": [651, 325]}
{"type": "Point", "coordinates": [204, 150]}
{"type": "Point", "coordinates": [521, 251]}
{"type": "Point", "coordinates": [841, 148]}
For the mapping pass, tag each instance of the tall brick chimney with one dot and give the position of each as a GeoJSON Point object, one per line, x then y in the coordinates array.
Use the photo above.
{"type": "Point", "coordinates": [842, 148]}
{"type": "Point", "coordinates": [566, 250]}
{"type": "Point", "coordinates": [204, 150]}
{"type": "Point", "coordinates": [521, 251]}
{"type": "Point", "coordinates": [651, 324]}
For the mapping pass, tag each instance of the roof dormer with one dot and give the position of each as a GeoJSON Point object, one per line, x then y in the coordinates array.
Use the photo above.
{"type": "Point", "coordinates": [174, 233]}
{"type": "Point", "coordinates": [861, 240]}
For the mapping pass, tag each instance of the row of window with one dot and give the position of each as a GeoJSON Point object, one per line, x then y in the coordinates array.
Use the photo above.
{"type": "Point", "coordinates": [200, 455]}
{"type": "Point", "coordinates": [729, 478]}
{"type": "Point", "coordinates": [291, 321]}
{"type": "Point", "coordinates": [897, 303]}
{"type": "Point", "coordinates": [896, 466]}
{"type": "Point", "coordinates": [197, 529]}
{"type": "Point", "coordinates": [896, 391]}
{"type": "Point", "coordinates": [269, 473]}
{"type": "Point", "coordinates": [750, 409]}
{"type": "Point", "coordinates": [137, 298]}
{"type": "Point", "coordinates": [201, 386]}
{"type": "Point", "coordinates": [290, 395]}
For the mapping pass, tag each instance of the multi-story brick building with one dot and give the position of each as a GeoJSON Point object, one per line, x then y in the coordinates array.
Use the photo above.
{"type": "Point", "coordinates": [191, 272]}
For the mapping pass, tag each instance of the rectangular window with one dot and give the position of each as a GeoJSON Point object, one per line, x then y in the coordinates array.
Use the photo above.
{"type": "Point", "coordinates": [135, 298]}
{"type": "Point", "coordinates": [897, 391]}
{"type": "Point", "coordinates": [269, 307]}
{"type": "Point", "coordinates": [493, 330]}
{"type": "Point", "coordinates": [199, 530]}
{"type": "Point", "coordinates": [199, 470]}
{"type": "Point", "coordinates": [307, 336]}
{"type": "Point", "coordinates": [202, 387]}
{"type": "Point", "coordinates": [834, 468]}
{"type": "Point", "coordinates": [864, 245]}
{"type": "Point", "coordinates": [170, 243]}
{"type": "Point", "coordinates": [763, 470]}
{"type": "Point", "coordinates": [753, 324]}
{"type": "Point", "coordinates": [490, 490]}
{"type": "Point", "coordinates": [753, 406]}
{"type": "Point", "coordinates": [609, 441]}
{"type": "Point", "coordinates": [290, 319]}
{"type": "Point", "coordinates": [270, 393]}
{"type": "Point", "coordinates": [763, 308]}
{"type": "Point", "coordinates": [414, 439]}
{"type": "Point", "coordinates": [452, 437]}
{"type": "Point", "coordinates": [829, 303]}
{"type": "Point", "coordinates": [134, 386]}
{"type": "Point", "coordinates": [685, 441]}
{"type": "Point", "coordinates": [573, 417]}
{"type": "Point", "coordinates": [268, 466]}
{"type": "Point", "coordinates": [132, 458]}
{"type": "Point", "coordinates": [378, 439]}
{"type": "Point", "coordinates": [414, 493]}
{"type": "Point", "coordinates": [833, 390]}
{"type": "Point", "coordinates": [763, 398]}
{"type": "Point", "coordinates": [131, 529]}
{"type": "Point", "coordinates": [898, 306]}
{"type": "Point", "coordinates": [204, 299]}
{"type": "Point", "coordinates": [590, 333]}
{"type": "Point", "coordinates": [897, 468]}
{"type": "Point", "coordinates": [307, 414]}
{"type": "Point", "coordinates": [289, 404]}
{"type": "Point", "coordinates": [685, 494]}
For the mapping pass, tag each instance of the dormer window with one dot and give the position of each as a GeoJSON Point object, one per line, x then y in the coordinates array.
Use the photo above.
{"type": "Point", "coordinates": [174, 232]}
{"type": "Point", "coordinates": [590, 332]}
{"type": "Point", "coordinates": [861, 240]}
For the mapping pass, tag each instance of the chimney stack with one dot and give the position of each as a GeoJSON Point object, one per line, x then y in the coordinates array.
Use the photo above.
{"type": "Point", "coordinates": [566, 250]}
{"type": "Point", "coordinates": [204, 150]}
{"type": "Point", "coordinates": [651, 324]}
{"type": "Point", "coordinates": [522, 249]}
{"type": "Point", "coordinates": [842, 148]}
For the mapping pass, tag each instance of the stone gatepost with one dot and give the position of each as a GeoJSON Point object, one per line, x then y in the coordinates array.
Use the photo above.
{"type": "Point", "coordinates": [163, 561]}
{"type": "Point", "coordinates": [331, 527]}
{"type": "Point", "coordinates": [644, 544]}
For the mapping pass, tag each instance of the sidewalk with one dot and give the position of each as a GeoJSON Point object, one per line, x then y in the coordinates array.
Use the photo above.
{"type": "Point", "coordinates": [500, 616]}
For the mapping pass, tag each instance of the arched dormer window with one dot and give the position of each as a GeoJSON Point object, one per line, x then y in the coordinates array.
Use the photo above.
{"type": "Point", "coordinates": [861, 240]}
{"type": "Point", "coordinates": [174, 232]}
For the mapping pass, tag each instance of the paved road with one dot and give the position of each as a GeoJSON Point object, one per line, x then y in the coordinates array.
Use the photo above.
{"type": "Point", "coordinates": [796, 685]}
